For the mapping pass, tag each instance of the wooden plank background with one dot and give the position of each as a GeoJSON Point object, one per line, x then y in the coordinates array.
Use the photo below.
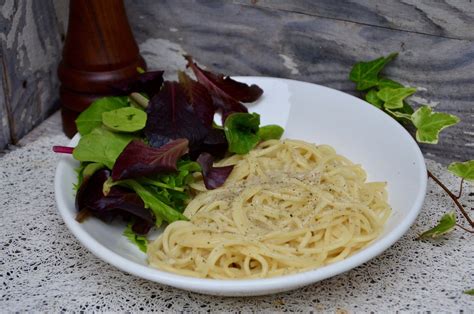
{"type": "Point", "coordinates": [319, 41]}
{"type": "Point", "coordinates": [30, 51]}
{"type": "Point", "coordinates": [314, 41]}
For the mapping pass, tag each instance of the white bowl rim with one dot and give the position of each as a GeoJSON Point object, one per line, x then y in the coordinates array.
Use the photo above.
{"type": "Point", "coordinates": [248, 286]}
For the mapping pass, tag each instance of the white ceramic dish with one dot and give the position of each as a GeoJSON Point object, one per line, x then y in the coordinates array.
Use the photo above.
{"type": "Point", "coordinates": [308, 112]}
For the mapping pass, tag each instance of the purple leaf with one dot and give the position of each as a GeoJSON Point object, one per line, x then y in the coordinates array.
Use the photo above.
{"type": "Point", "coordinates": [215, 143]}
{"type": "Point", "coordinates": [226, 92]}
{"type": "Point", "coordinates": [148, 82]}
{"type": "Point", "coordinates": [171, 116]}
{"type": "Point", "coordinates": [139, 159]}
{"type": "Point", "coordinates": [214, 177]}
{"type": "Point", "coordinates": [119, 202]}
{"type": "Point", "coordinates": [199, 98]}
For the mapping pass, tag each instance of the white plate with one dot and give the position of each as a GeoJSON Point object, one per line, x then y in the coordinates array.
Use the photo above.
{"type": "Point", "coordinates": [308, 112]}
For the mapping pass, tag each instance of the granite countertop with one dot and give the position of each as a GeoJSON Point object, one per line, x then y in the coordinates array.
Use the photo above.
{"type": "Point", "coordinates": [44, 268]}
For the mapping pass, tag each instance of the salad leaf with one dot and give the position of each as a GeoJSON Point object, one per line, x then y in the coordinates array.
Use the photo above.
{"type": "Point", "coordinates": [226, 92]}
{"type": "Point", "coordinates": [213, 177]}
{"type": "Point", "coordinates": [159, 208]}
{"type": "Point", "coordinates": [91, 118]}
{"type": "Point", "coordinates": [91, 168]}
{"type": "Point", "coordinates": [172, 188]}
{"type": "Point", "coordinates": [393, 97]}
{"type": "Point", "coordinates": [102, 146]}
{"type": "Point", "coordinates": [80, 175]}
{"type": "Point", "coordinates": [463, 170]}
{"type": "Point", "coordinates": [199, 98]}
{"type": "Point", "coordinates": [429, 124]}
{"type": "Point", "coordinates": [445, 225]}
{"type": "Point", "coordinates": [365, 74]}
{"type": "Point", "coordinates": [241, 131]}
{"type": "Point", "coordinates": [139, 240]}
{"type": "Point", "coordinates": [270, 132]}
{"type": "Point", "coordinates": [148, 82]}
{"type": "Point", "coordinates": [372, 98]}
{"type": "Point", "coordinates": [139, 159]}
{"type": "Point", "coordinates": [127, 119]}
{"type": "Point", "coordinates": [118, 201]}
{"type": "Point", "coordinates": [171, 116]}
{"type": "Point", "coordinates": [215, 144]}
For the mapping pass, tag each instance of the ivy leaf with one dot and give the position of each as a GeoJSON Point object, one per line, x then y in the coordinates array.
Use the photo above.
{"type": "Point", "coordinates": [139, 240]}
{"type": "Point", "coordinates": [470, 292]}
{"type": "Point", "coordinates": [463, 170]}
{"type": "Point", "coordinates": [102, 146]}
{"type": "Point", "coordinates": [365, 74]}
{"type": "Point", "coordinates": [385, 82]}
{"type": "Point", "coordinates": [372, 98]}
{"type": "Point", "coordinates": [393, 97]}
{"type": "Point", "coordinates": [126, 119]}
{"type": "Point", "coordinates": [445, 225]}
{"type": "Point", "coordinates": [91, 118]}
{"type": "Point", "coordinates": [402, 114]}
{"type": "Point", "coordinates": [429, 124]}
{"type": "Point", "coordinates": [241, 131]}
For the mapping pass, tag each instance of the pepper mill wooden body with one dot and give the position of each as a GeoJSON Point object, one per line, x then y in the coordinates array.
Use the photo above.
{"type": "Point", "coordinates": [99, 50]}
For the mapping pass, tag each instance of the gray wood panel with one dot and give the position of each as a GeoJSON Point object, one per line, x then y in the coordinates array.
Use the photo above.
{"type": "Point", "coordinates": [4, 124]}
{"type": "Point", "coordinates": [31, 47]}
{"type": "Point", "coordinates": [447, 18]}
{"type": "Point", "coordinates": [251, 40]}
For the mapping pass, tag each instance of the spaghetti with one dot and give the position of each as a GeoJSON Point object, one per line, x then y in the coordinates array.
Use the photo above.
{"type": "Point", "coordinates": [288, 206]}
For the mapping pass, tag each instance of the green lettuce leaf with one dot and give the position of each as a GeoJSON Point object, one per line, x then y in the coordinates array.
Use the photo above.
{"type": "Point", "coordinates": [463, 170]}
{"type": "Point", "coordinates": [365, 74]}
{"type": "Point", "coordinates": [159, 208]}
{"type": "Point", "coordinates": [241, 131]}
{"type": "Point", "coordinates": [429, 124]}
{"type": "Point", "coordinates": [91, 168]}
{"type": "Point", "coordinates": [139, 240]}
{"type": "Point", "coordinates": [270, 132]}
{"type": "Point", "coordinates": [91, 118]}
{"type": "Point", "coordinates": [445, 225]}
{"type": "Point", "coordinates": [393, 97]}
{"type": "Point", "coordinates": [127, 119]}
{"type": "Point", "coordinates": [101, 146]}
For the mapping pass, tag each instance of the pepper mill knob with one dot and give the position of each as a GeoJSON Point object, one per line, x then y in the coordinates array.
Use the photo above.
{"type": "Point", "coordinates": [99, 51]}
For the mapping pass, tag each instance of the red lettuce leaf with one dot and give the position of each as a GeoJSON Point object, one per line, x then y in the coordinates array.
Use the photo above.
{"type": "Point", "coordinates": [215, 144]}
{"type": "Point", "coordinates": [199, 98]}
{"type": "Point", "coordinates": [148, 82]}
{"type": "Point", "coordinates": [226, 92]}
{"type": "Point", "coordinates": [139, 159]}
{"type": "Point", "coordinates": [171, 116]}
{"type": "Point", "coordinates": [119, 202]}
{"type": "Point", "coordinates": [213, 177]}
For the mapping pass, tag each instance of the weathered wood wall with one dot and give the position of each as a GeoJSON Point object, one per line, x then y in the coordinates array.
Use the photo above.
{"type": "Point", "coordinates": [318, 41]}
{"type": "Point", "coordinates": [30, 50]}
{"type": "Point", "coordinates": [315, 41]}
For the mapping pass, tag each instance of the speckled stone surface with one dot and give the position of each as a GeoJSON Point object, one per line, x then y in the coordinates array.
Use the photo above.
{"type": "Point", "coordinates": [44, 268]}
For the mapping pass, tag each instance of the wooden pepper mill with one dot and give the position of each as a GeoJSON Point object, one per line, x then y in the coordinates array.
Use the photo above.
{"type": "Point", "coordinates": [99, 50]}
